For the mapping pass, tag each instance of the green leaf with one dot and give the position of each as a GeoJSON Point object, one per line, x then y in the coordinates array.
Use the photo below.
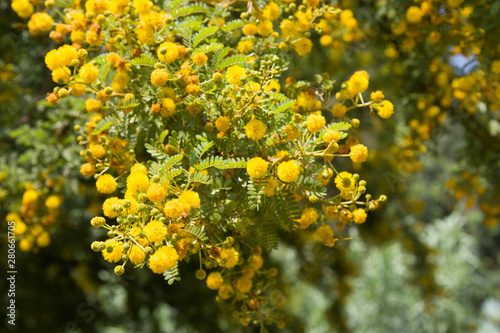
{"type": "Point", "coordinates": [283, 106]}
{"type": "Point", "coordinates": [208, 48]}
{"type": "Point", "coordinates": [126, 104]}
{"type": "Point", "coordinates": [162, 137]}
{"type": "Point", "coordinates": [146, 59]}
{"type": "Point", "coordinates": [103, 125]}
{"type": "Point", "coordinates": [234, 24]}
{"type": "Point", "coordinates": [197, 8]}
{"type": "Point", "coordinates": [204, 34]}
{"type": "Point", "coordinates": [234, 60]}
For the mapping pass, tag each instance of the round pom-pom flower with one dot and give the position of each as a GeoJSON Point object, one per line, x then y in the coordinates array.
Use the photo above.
{"type": "Point", "coordinates": [155, 231]}
{"type": "Point", "coordinates": [106, 184]}
{"type": "Point", "coordinates": [385, 109]}
{"type": "Point", "coordinates": [163, 259]}
{"type": "Point", "coordinates": [89, 73]}
{"type": "Point", "coordinates": [156, 193]}
{"type": "Point", "coordinates": [288, 171]}
{"type": "Point", "coordinates": [234, 74]}
{"type": "Point", "coordinates": [359, 216]}
{"type": "Point", "coordinates": [325, 234]}
{"type": "Point", "coordinates": [255, 129]}
{"type": "Point", "coordinates": [214, 280]}
{"type": "Point", "coordinates": [315, 122]}
{"type": "Point", "coordinates": [359, 153]}
{"type": "Point", "coordinates": [159, 77]}
{"type": "Point", "coordinates": [257, 168]}
{"type": "Point", "coordinates": [190, 199]}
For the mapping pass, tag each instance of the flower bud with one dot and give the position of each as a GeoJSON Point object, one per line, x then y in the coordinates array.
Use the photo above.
{"type": "Point", "coordinates": [201, 274]}
{"type": "Point", "coordinates": [119, 270]}
{"type": "Point", "coordinates": [98, 221]}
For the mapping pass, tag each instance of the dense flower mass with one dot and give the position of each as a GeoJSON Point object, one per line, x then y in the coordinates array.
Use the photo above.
{"type": "Point", "coordinates": [207, 150]}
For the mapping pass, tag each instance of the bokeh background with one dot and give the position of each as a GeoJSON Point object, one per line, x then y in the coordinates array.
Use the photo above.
{"type": "Point", "coordinates": [428, 261]}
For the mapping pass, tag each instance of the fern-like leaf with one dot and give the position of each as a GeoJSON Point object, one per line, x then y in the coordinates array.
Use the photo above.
{"type": "Point", "coordinates": [234, 24]}
{"type": "Point", "coordinates": [209, 31]}
{"type": "Point", "coordinates": [172, 275]}
{"type": "Point", "coordinates": [197, 8]}
{"type": "Point", "coordinates": [283, 106]}
{"type": "Point", "coordinates": [197, 231]}
{"type": "Point", "coordinates": [146, 59]}
{"type": "Point", "coordinates": [234, 60]}
{"type": "Point", "coordinates": [103, 125]}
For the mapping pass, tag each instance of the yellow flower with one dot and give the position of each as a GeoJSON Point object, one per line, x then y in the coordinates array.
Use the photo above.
{"type": "Point", "coordinates": [78, 89]}
{"type": "Point", "coordinates": [171, 52]}
{"type": "Point", "coordinates": [156, 193]}
{"type": "Point", "coordinates": [243, 284]}
{"type": "Point", "coordinates": [20, 227]}
{"type": "Point", "coordinates": [143, 7]}
{"type": "Point", "coordinates": [292, 132]}
{"type": "Point", "coordinates": [138, 167]}
{"type": "Point", "coordinates": [308, 217]}
{"type": "Point", "coordinates": [174, 208]}
{"type": "Point", "coordinates": [385, 109]}
{"type": "Point", "coordinates": [167, 107]}
{"type": "Point", "coordinates": [190, 199]}
{"type": "Point", "coordinates": [359, 153]}
{"type": "Point", "coordinates": [155, 231]}
{"type": "Point", "coordinates": [344, 181]}
{"type": "Point", "coordinates": [163, 259]}
{"type": "Point", "coordinates": [255, 129]}
{"type": "Point", "coordinates": [61, 75]}
{"type": "Point", "coordinates": [339, 110]}
{"type": "Point", "coordinates": [287, 28]}
{"type": "Point", "coordinates": [107, 207]}
{"type": "Point", "coordinates": [303, 46]}
{"type": "Point", "coordinates": [326, 40]}
{"type": "Point", "coordinates": [245, 46]}
{"type": "Point", "coordinates": [265, 28]}
{"type": "Point", "coordinates": [255, 261]}
{"type": "Point", "coordinates": [214, 280]}
{"type": "Point", "coordinates": [222, 124]}
{"type": "Point", "coordinates": [271, 12]}
{"type": "Point", "coordinates": [358, 83]}
{"type": "Point", "coordinates": [40, 22]}
{"type": "Point", "coordinates": [234, 74]}
{"type": "Point", "coordinates": [331, 135]}
{"type": "Point", "coordinates": [43, 240]}
{"type": "Point", "coordinates": [225, 291]}
{"type": "Point", "coordinates": [136, 254]}
{"type": "Point", "coordinates": [92, 105]}
{"type": "Point", "coordinates": [229, 258]}
{"type": "Point", "coordinates": [137, 181]}
{"type": "Point", "coordinates": [116, 254]}
{"type": "Point", "coordinates": [288, 171]}
{"type": "Point", "coordinates": [377, 96]}
{"type": "Point", "coordinates": [89, 73]}
{"type": "Point", "coordinates": [315, 122]}
{"type": "Point", "coordinates": [159, 77]}
{"type": "Point", "coordinates": [87, 169]}
{"type": "Point", "coordinates": [53, 202]}
{"type": "Point", "coordinates": [359, 216]}
{"type": "Point", "coordinates": [325, 234]}
{"type": "Point", "coordinates": [257, 168]}
{"type": "Point", "coordinates": [414, 14]}
{"type": "Point", "coordinates": [23, 8]}
{"type": "Point", "coordinates": [106, 184]}
{"type": "Point", "coordinates": [200, 58]}
{"type": "Point", "coordinates": [249, 29]}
